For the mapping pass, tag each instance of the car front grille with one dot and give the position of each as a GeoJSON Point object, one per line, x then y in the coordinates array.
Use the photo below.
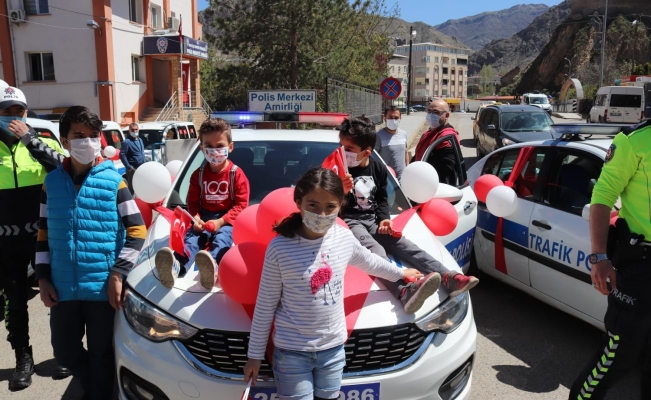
{"type": "Point", "coordinates": [367, 350]}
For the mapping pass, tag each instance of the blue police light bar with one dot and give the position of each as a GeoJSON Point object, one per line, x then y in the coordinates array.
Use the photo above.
{"type": "Point", "coordinates": [253, 117]}
{"type": "Point", "coordinates": [584, 129]}
{"type": "Point", "coordinates": [239, 117]}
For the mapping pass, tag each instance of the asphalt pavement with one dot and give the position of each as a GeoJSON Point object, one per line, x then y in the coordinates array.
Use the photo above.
{"type": "Point", "coordinates": [525, 349]}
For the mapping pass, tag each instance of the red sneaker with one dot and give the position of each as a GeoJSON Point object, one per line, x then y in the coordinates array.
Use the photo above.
{"type": "Point", "coordinates": [459, 283]}
{"type": "Point", "coordinates": [414, 294]}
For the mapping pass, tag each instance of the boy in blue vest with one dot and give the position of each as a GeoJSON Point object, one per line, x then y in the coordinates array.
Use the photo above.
{"type": "Point", "coordinates": [90, 234]}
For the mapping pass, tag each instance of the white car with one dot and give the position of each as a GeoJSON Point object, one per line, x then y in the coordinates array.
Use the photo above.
{"type": "Point", "coordinates": [112, 136]}
{"type": "Point", "coordinates": [547, 241]}
{"type": "Point", "coordinates": [187, 342]}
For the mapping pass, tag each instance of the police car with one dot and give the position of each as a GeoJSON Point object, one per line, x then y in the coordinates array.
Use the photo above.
{"type": "Point", "coordinates": [154, 135]}
{"type": "Point", "coordinates": [112, 136]}
{"type": "Point", "coordinates": [546, 241]}
{"type": "Point", "coordinates": [187, 342]}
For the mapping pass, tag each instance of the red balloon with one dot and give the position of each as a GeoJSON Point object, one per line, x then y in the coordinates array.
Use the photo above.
{"type": "Point", "coordinates": [439, 216]}
{"type": "Point", "coordinates": [245, 228]}
{"type": "Point", "coordinates": [116, 157]}
{"type": "Point", "coordinates": [342, 223]}
{"type": "Point", "coordinates": [275, 207]}
{"type": "Point", "coordinates": [145, 211]}
{"type": "Point", "coordinates": [392, 171]}
{"type": "Point", "coordinates": [484, 184]}
{"type": "Point", "coordinates": [209, 226]}
{"type": "Point", "coordinates": [240, 270]}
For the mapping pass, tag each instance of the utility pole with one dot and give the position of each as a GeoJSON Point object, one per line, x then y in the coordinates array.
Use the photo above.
{"type": "Point", "coordinates": [603, 45]}
{"type": "Point", "coordinates": [412, 35]}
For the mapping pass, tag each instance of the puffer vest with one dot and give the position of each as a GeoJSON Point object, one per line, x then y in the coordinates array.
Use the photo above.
{"type": "Point", "coordinates": [85, 231]}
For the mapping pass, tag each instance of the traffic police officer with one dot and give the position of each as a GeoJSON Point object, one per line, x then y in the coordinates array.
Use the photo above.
{"type": "Point", "coordinates": [621, 264]}
{"type": "Point", "coordinates": [21, 178]}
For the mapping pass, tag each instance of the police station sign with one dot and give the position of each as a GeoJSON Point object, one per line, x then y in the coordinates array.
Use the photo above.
{"type": "Point", "coordinates": [282, 100]}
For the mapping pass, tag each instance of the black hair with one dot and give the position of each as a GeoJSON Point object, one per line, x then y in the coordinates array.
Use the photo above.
{"type": "Point", "coordinates": [391, 108]}
{"type": "Point", "coordinates": [79, 114]}
{"type": "Point", "coordinates": [315, 178]}
{"type": "Point", "coordinates": [360, 130]}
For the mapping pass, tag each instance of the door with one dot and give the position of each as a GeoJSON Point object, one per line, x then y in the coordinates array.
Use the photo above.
{"type": "Point", "coordinates": [444, 154]}
{"type": "Point", "coordinates": [492, 131]}
{"type": "Point", "coordinates": [161, 77]}
{"type": "Point", "coordinates": [559, 239]}
{"type": "Point", "coordinates": [625, 106]}
{"type": "Point", "coordinates": [485, 120]}
{"type": "Point", "coordinates": [515, 232]}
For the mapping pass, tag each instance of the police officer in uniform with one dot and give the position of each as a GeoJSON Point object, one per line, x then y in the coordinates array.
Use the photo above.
{"type": "Point", "coordinates": [21, 178]}
{"type": "Point", "coordinates": [621, 265]}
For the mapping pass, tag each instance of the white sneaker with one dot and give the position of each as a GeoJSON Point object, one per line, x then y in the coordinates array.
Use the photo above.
{"type": "Point", "coordinates": [207, 269]}
{"type": "Point", "coordinates": [167, 267]}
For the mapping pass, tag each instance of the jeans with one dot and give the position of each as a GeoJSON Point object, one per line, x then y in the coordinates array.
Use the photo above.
{"type": "Point", "coordinates": [218, 243]}
{"type": "Point", "coordinates": [14, 259]}
{"type": "Point", "coordinates": [95, 367]}
{"type": "Point", "coordinates": [302, 375]}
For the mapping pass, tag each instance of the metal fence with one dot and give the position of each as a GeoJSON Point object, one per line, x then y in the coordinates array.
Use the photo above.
{"type": "Point", "coordinates": [355, 100]}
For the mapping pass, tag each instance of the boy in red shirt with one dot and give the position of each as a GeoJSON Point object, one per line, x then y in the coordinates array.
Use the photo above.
{"type": "Point", "coordinates": [218, 192]}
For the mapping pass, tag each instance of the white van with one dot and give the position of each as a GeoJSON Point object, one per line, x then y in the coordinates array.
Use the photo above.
{"type": "Point", "coordinates": [537, 99]}
{"type": "Point", "coordinates": [112, 136]}
{"type": "Point", "coordinates": [44, 128]}
{"type": "Point", "coordinates": [618, 104]}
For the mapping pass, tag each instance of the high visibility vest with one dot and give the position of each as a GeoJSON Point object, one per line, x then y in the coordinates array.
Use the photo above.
{"type": "Point", "coordinates": [18, 168]}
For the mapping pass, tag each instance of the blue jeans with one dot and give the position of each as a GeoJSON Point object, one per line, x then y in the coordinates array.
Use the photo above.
{"type": "Point", "coordinates": [302, 375]}
{"type": "Point", "coordinates": [218, 242]}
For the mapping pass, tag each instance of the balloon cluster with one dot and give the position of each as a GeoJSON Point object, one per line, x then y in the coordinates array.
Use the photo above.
{"type": "Point", "coordinates": [152, 181]}
{"type": "Point", "coordinates": [500, 200]}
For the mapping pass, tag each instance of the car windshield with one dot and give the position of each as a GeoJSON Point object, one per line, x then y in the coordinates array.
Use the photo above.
{"type": "Point", "coordinates": [153, 136]}
{"type": "Point", "coordinates": [270, 165]}
{"type": "Point", "coordinates": [526, 122]}
{"type": "Point", "coordinates": [539, 100]}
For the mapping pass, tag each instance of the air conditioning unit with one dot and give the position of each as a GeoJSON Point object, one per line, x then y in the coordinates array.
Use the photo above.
{"type": "Point", "coordinates": [173, 24]}
{"type": "Point", "coordinates": [17, 16]}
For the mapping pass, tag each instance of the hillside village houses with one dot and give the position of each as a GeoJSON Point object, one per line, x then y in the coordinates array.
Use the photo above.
{"type": "Point", "coordinates": [121, 58]}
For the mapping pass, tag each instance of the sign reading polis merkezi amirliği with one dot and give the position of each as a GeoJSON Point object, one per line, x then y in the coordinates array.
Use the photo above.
{"type": "Point", "coordinates": [171, 45]}
{"type": "Point", "coordinates": [282, 100]}
{"type": "Point", "coordinates": [196, 48]}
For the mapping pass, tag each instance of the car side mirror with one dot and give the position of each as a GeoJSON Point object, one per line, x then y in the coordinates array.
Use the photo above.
{"type": "Point", "coordinates": [491, 127]}
{"type": "Point", "coordinates": [585, 213]}
{"type": "Point", "coordinates": [473, 118]}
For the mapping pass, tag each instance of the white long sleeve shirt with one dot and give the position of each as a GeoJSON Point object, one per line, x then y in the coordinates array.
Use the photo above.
{"type": "Point", "coordinates": [305, 321]}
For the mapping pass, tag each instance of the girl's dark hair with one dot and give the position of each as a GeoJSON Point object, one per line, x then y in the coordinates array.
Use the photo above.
{"type": "Point", "coordinates": [360, 130]}
{"type": "Point", "coordinates": [81, 115]}
{"type": "Point", "coordinates": [315, 178]}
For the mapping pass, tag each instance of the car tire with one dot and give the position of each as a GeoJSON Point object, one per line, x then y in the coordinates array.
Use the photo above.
{"type": "Point", "coordinates": [587, 120]}
{"type": "Point", "coordinates": [600, 120]}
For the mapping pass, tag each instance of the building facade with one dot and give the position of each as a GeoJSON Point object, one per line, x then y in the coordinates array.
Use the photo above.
{"type": "Point", "coordinates": [92, 53]}
{"type": "Point", "coordinates": [438, 71]}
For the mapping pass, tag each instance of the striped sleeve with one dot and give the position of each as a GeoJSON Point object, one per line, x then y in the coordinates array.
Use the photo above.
{"type": "Point", "coordinates": [47, 151]}
{"type": "Point", "coordinates": [42, 264]}
{"type": "Point", "coordinates": [373, 264]}
{"type": "Point", "coordinates": [265, 306]}
{"type": "Point", "coordinates": [135, 227]}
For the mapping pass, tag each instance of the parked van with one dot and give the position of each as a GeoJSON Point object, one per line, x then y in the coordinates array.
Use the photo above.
{"type": "Point", "coordinates": [618, 104]}
{"type": "Point", "coordinates": [112, 136]}
{"type": "Point", "coordinates": [45, 128]}
{"type": "Point", "coordinates": [537, 99]}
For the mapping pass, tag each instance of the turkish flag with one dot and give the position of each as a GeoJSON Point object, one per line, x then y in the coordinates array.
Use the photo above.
{"type": "Point", "coordinates": [178, 228]}
{"type": "Point", "coordinates": [336, 162]}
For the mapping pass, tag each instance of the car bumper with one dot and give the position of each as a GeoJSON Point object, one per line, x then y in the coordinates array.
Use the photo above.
{"type": "Point", "coordinates": [161, 365]}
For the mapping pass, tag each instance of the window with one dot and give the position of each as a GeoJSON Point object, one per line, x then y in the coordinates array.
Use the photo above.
{"type": "Point", "coordinates": [35, 7]}
{"type": "Point", "coordinates": [154, 17]}
{"type": "Point", "coordinates": [626, 100]}
{"type": "Point", "coordinates": [405, 69]}
{"type": "Point", "coordinates": [501, 164]}
{"type": "Point", "coordinates": [133, 10]}
{"type": "Point", "coordinates": [571, 179]}
{"type": "Point", "coordinates": [526, 122]}
{"type": "Point", "coordinates": [445, 156]}
{"type": "Point", "coordinates": [436, 59]}
{"type": "Point", "coordinates": [135, 68]}
{"type": "Point", "coordinates": [41, 66]}
{"type": "Point", "coordinates": [445, 70]}
{"type": "Point", "coordinates": [113, 138]}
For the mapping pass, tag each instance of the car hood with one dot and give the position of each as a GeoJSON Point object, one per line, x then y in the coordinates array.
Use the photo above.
{"type": "Point", "coordinates": [202, 308]}
{"type": "Point", "coordinates": [519, 137]}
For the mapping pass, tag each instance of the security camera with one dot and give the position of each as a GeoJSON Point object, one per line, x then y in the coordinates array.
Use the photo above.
{"type": "Point", "coordinates": [92, 24]}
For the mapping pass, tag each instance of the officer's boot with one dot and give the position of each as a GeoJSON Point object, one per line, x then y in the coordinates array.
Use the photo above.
{"type": "Point", "coordinates": [22, 377]}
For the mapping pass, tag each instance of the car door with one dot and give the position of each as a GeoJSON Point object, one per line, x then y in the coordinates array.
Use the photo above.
{"type": "Point", "coordinates": [515, 231]}
{"type": "Point", "coordinates": [559, 238]}
{"type": "Point", "coordinates": [459, 243]}
{"type": "Point", "coordinates": [492, 131]}
{"type": "Point", "coordinates": [484, 121]}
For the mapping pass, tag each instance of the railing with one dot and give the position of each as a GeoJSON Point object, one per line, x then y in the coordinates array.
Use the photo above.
{"type": "Point", "coordinates": [355, 100]}
{"type": "Point", "coordinates": [170, 109]}
{"type": "Point", "coordinates": [204, 105]}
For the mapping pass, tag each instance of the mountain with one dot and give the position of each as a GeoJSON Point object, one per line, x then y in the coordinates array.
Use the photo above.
{"type": "Point", "coordinates": [398, 28]}
{"type": "Point", "coordinates": [523, 47]}
{"type": "Point", "coordinates": [478, 30]}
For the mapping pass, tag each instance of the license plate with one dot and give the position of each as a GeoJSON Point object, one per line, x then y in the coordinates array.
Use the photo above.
{"type": "Point", "coordinates": [616, 114]}
{"type": "Point", "coordinates": [368, 391]}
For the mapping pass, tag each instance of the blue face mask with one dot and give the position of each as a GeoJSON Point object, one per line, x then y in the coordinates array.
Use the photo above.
{"type": "Point", "coordinates": [5, 121]}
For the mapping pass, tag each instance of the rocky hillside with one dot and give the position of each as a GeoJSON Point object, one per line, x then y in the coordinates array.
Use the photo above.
{"type": "Point", "coordinates": [478, 30]}
{"type": "Point", "coordinates": [399, 28]}
{"type": "Point", "coordinates": [520, 49]}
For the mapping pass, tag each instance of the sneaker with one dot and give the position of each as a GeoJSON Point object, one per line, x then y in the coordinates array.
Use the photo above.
{"type": "Point", "coordinates": [207, 270]}
{"type": "Point", "coordinates": [167, 267]}
{"type": "Point", "coordinates": [459, 283]}
{"type": "Point", "coordinates": [414, 294]}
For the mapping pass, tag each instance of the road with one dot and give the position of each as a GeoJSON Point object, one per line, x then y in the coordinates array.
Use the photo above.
{"type": "Point", "coordinates": [525, 349]}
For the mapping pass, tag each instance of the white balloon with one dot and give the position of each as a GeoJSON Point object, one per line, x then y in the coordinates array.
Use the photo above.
{"type": "Point", "coordinates": [174, 166]}
{"type": "Point", "coordinates": [501, 201]}
{"type": "Point", "coordinates": [109, 151]}
{"type": "Point", "coordinates": [151, 182]}
{"type": "Point", "coordinates": [419, 181]}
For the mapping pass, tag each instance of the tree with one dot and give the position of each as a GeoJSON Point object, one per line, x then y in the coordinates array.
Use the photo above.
{"type": "Point", "coordinates": [487, 74]}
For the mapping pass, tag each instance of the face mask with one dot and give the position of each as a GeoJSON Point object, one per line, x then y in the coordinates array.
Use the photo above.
{"type": "Point", "coordinates": [351, 159]}
{"type": "Point", "coordinates": [318, 223]}
{"type": "Point", "coordinates": [85, 150]}
{"type": "Point", "coordinates": [433, 120]}
{"type": "Point", "coordinates": [393, 124]}
{"type": "Point", "coordinates": [134, 134]}
{"type": "Point", "coordinates": [216, 156]}
{"type": "Point", "coordinates": [5, 121]}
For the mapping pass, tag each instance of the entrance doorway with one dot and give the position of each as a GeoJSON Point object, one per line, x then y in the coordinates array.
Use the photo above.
{"type": "Point", "coordinates": [161, 75]}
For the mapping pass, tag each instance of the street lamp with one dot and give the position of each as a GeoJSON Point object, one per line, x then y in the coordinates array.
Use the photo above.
{"type": "Point", "coordinates": [569, 72]}
{"type": "Point", "coordinates": [412, 36]}
{"type": "Point", "coordinates": [635, 24]}
{"type": "Point", "coordinates": [603, 45]}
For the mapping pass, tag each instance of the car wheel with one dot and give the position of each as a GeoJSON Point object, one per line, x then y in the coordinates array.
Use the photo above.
{"type": "Point", "coordinates": [600, 120]}
{"type": "Point", "coordinates": [587, 120]}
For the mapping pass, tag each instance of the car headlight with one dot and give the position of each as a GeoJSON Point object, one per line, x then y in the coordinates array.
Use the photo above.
{"type": "Point", "coordinates": [447, 317]}
{"type": "Point", "coordinates": [152, 323]}
{"type": "Point", "coordinates": [506, 142]}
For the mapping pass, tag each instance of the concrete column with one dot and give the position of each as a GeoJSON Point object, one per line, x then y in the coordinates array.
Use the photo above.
{"type": "Point", "coordinates": [195, 83]}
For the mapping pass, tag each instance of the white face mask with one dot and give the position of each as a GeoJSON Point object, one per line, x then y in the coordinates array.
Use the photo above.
{"type": "Point", "coordinates": [216, 156]}
{"type": "Point", "coordinates": [393, 124]}
{"type": "Point", "coordinates": [351, 159]}
{"type": "Point", "coordinates": [134, 134]}
{"type": "Point", "coordinates": [85, 150]}
{"type": "Point", "coordinates": [433, 120]}
{"type": "Point", "coordinates": [318, 223]}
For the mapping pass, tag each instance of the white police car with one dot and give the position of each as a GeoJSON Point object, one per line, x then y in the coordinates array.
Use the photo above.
{"type": "Point", "coordinates": [188, 342]}
{"type": "Point", "coordinates": [546, 241]}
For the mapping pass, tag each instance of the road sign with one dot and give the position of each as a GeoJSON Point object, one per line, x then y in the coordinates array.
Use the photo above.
{"type": "Point", "coordinates": [390, 88]}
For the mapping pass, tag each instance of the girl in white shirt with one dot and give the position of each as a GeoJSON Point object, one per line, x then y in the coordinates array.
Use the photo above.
{"type": "Point", "coordinates": [301, 291]}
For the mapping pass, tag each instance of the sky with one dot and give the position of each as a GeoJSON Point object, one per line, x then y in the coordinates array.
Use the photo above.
{"type": "Point", "coordinates": [437, 12]}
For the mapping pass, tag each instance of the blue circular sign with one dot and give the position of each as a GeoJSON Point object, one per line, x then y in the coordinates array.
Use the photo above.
{"type": "Point", "coordinates": [390, 88]}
